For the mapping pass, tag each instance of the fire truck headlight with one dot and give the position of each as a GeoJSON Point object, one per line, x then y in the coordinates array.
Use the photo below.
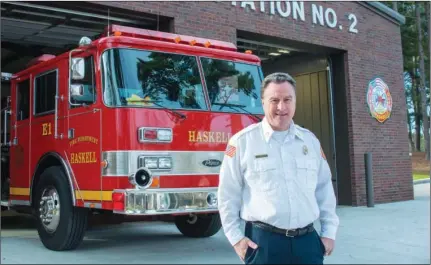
{"type": "Point", "coordinates": [212, 199]}
{"type": "Point", "coordinates": [165, 162]}
{"type": "Point", "coordinates": [150, 162]}
{"type": "Point", "coordinates": [164, 135]}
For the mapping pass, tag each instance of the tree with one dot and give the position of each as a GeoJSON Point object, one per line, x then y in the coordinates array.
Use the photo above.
{"type": "Point", "coordinates": [216, 69]}
{"type": "Point", "coordinates": [422, 89]}
{"type": "Point", "coordinates": [410, 51]}
{"type": "Point", "coordinates": [164, 75]}
{"type": "Point", "coordinates": [411, 58]}
{"type": "Point", "coordinates": [395, 6]}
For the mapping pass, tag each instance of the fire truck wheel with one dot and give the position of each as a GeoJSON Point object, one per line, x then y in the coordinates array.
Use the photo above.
{"type": "Point", "coordinates": [198, 225]}
{"type": "Point", "coordinates": [61, 226]}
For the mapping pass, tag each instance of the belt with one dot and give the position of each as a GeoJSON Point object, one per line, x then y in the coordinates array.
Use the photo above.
{"type": "Point", "coordinates": [287, 232]}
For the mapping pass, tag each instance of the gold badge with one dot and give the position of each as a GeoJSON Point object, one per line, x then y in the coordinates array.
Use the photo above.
{"type": "Point", "coordinates": [305, 150]}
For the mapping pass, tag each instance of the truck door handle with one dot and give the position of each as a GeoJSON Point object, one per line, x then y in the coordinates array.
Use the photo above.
{"type": "Point", "coordinates": [71, 133]}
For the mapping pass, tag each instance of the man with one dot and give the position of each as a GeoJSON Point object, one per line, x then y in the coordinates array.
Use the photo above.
{"type": "Point", "coordinates": [275, 177]}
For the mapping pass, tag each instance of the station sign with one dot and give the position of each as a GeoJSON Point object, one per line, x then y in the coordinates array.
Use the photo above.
{"type": "Point", "coordinates": [319, 14]}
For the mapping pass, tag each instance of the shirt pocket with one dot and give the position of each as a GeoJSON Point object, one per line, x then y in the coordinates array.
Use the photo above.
{"type": "Point", "coordinates": [263, 174]}
{"type": "Point", "coordinates": [307, 172]}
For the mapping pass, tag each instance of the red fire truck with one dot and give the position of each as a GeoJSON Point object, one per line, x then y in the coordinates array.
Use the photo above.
{"type": "Point", "coordinates": [132, 124]}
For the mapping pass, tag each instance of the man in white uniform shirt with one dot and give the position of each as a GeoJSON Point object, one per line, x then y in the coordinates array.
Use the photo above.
{"type": "Point", "coordinates": [275, 177]}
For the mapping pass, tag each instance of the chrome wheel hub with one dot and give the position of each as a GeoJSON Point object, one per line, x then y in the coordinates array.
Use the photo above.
{"type": "Point", "coordinates": [50, 209]}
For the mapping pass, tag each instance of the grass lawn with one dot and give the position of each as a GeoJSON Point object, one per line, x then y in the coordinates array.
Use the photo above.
{"type": "Point", "coordinates": [420, 176]}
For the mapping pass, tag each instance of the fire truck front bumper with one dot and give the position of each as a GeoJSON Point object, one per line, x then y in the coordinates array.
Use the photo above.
{"type": "Point", "coordinates": [164, 201]}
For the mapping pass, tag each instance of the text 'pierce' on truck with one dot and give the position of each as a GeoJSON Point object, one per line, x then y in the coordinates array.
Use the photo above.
{"type": "Point", "coordinates": [133, 124]}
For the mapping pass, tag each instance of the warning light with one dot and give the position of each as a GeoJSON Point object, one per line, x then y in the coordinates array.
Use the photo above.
{"type": "Point", "coordinates": [155, 183]}
{"type": "Point", "coordinates": [123, 31]}
{"type": "Point", "coordinates": [248, 52]}
{"type": "Point", "coordinates": [104, 163]}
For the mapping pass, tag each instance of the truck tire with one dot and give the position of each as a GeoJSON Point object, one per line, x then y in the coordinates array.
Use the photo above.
{"type": "Point", "coordinates": [198, 225]}
{"type": "Point", "coordinates": [60, 225]}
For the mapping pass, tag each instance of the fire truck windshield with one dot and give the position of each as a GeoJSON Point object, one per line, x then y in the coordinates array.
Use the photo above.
{"type": "Point", "coordinates": [233, 84]}
{"type": "Point", "coordinates": [139, 78]}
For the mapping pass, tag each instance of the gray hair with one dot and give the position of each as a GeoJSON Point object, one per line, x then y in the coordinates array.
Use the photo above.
{"type": "Point", "coordinates": [277, 78]}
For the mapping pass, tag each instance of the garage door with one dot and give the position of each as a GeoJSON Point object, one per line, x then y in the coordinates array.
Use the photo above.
{"type": "Point", "coordinates": [309, 66]}
{"type": "Point", "coordinates": [34, 28]}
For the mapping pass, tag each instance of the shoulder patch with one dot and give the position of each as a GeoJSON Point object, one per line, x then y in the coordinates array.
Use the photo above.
{"type": "Point", "coordinates": [230, 150]}
{"type": "Point", "coordinates": [233, 141]}
{"type": "Point", "coordinates": [322, 153]}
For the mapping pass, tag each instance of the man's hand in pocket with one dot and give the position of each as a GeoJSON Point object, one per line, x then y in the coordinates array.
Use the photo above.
{"type": "Point", "coordinates": [329, 245]}
{"type": "Point", "coordinates": [242, 246]}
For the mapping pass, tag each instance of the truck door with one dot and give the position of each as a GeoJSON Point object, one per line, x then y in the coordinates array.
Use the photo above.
{"type": "Point", "coordinates": [20, 138]}
{"type": "Point", "coordinates": [84, 129]}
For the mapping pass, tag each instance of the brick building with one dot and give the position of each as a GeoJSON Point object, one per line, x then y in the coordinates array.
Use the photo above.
{"type": "Point", "coordinates": [334, 49]}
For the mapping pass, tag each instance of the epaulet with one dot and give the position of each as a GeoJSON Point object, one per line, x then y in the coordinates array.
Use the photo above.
{"type": "Point", "coordinates": [244, 131]}
{"type": "Point", "coordinates": [305, 131]}
{"type": "Point", "coordinates": [300, 131]}
{"type": "Point", "coordinates": [302, 128]}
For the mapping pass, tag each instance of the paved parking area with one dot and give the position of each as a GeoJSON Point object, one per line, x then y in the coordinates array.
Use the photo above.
{"type": "Point", "coordinates": [389, 233]}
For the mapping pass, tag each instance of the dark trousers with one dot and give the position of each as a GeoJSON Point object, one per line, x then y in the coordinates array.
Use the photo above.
{"type": "Point", "coordinates": [274, 248]}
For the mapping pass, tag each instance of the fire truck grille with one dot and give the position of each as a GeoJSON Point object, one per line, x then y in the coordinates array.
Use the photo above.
{"type": "Point", "coordinates": [169, 201]}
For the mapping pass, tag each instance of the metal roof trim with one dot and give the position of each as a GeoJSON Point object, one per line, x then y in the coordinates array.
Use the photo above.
{"type": "Point", "coordinates": [385, 11]}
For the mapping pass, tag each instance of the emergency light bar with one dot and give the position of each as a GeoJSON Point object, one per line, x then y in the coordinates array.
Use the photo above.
{"type": "Point", "coordinates": [116, 30]}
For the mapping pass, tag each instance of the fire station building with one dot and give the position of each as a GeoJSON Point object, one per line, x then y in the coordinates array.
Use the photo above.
{"type": "Point", "coordinates": [345, 56]}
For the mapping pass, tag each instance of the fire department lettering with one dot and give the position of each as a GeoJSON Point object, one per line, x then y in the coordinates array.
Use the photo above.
{"type": "Point", "coordinates": [46, 129]}
{"type": "Point", "coordinates": [80, 139]}
{"type": "Point", "coordinates": [83, 158]}
{"type": "Point", "coordinates": [209, 137]}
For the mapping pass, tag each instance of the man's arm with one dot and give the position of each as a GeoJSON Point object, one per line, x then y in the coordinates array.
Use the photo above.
{"type": "Point", "coordinates": [230, 193]}
{"type": "Point", "coordinates": [326, 199]}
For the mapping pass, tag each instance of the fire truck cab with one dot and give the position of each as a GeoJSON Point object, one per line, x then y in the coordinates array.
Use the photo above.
{"type": "Point", "coordinates": [134, 123]}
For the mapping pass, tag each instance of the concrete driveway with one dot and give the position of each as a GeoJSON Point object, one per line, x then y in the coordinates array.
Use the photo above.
{"type": "Point", "coordinates": [388, 233]}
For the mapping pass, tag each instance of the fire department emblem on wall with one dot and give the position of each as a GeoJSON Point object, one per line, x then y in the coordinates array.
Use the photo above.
{"type": "Point", "coordinates": [379, 100]}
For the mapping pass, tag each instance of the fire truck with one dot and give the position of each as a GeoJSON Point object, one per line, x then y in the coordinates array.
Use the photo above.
{"type": "Point", "coordinates": [131, 124]}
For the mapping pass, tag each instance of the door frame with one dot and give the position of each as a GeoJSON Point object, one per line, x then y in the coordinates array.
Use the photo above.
{"type": "Point", "coordinates": [16, 140]}
{"type": "Point", "coordinates": [332, 125]}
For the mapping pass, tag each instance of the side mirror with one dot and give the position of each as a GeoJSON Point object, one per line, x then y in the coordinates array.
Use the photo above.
{"type": "Point", "coordinates": [81, 94]}
{"type": "Point", "coordinates": [78, 68]}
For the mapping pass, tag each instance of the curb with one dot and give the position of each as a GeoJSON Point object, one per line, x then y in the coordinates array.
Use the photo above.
{"type": "Point", "coordinates": [421, 181]}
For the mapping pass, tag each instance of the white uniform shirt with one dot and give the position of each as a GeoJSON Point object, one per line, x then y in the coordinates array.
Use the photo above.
{"type": "Point", "coordinates": [284, 184]}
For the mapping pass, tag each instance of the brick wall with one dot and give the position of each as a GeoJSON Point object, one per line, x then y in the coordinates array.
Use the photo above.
{"type": "Point", "coordinates": [375, 50]}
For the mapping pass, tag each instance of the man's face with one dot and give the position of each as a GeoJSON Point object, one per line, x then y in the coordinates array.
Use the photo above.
{"type": "Point", "coordinates": [279, 104]}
